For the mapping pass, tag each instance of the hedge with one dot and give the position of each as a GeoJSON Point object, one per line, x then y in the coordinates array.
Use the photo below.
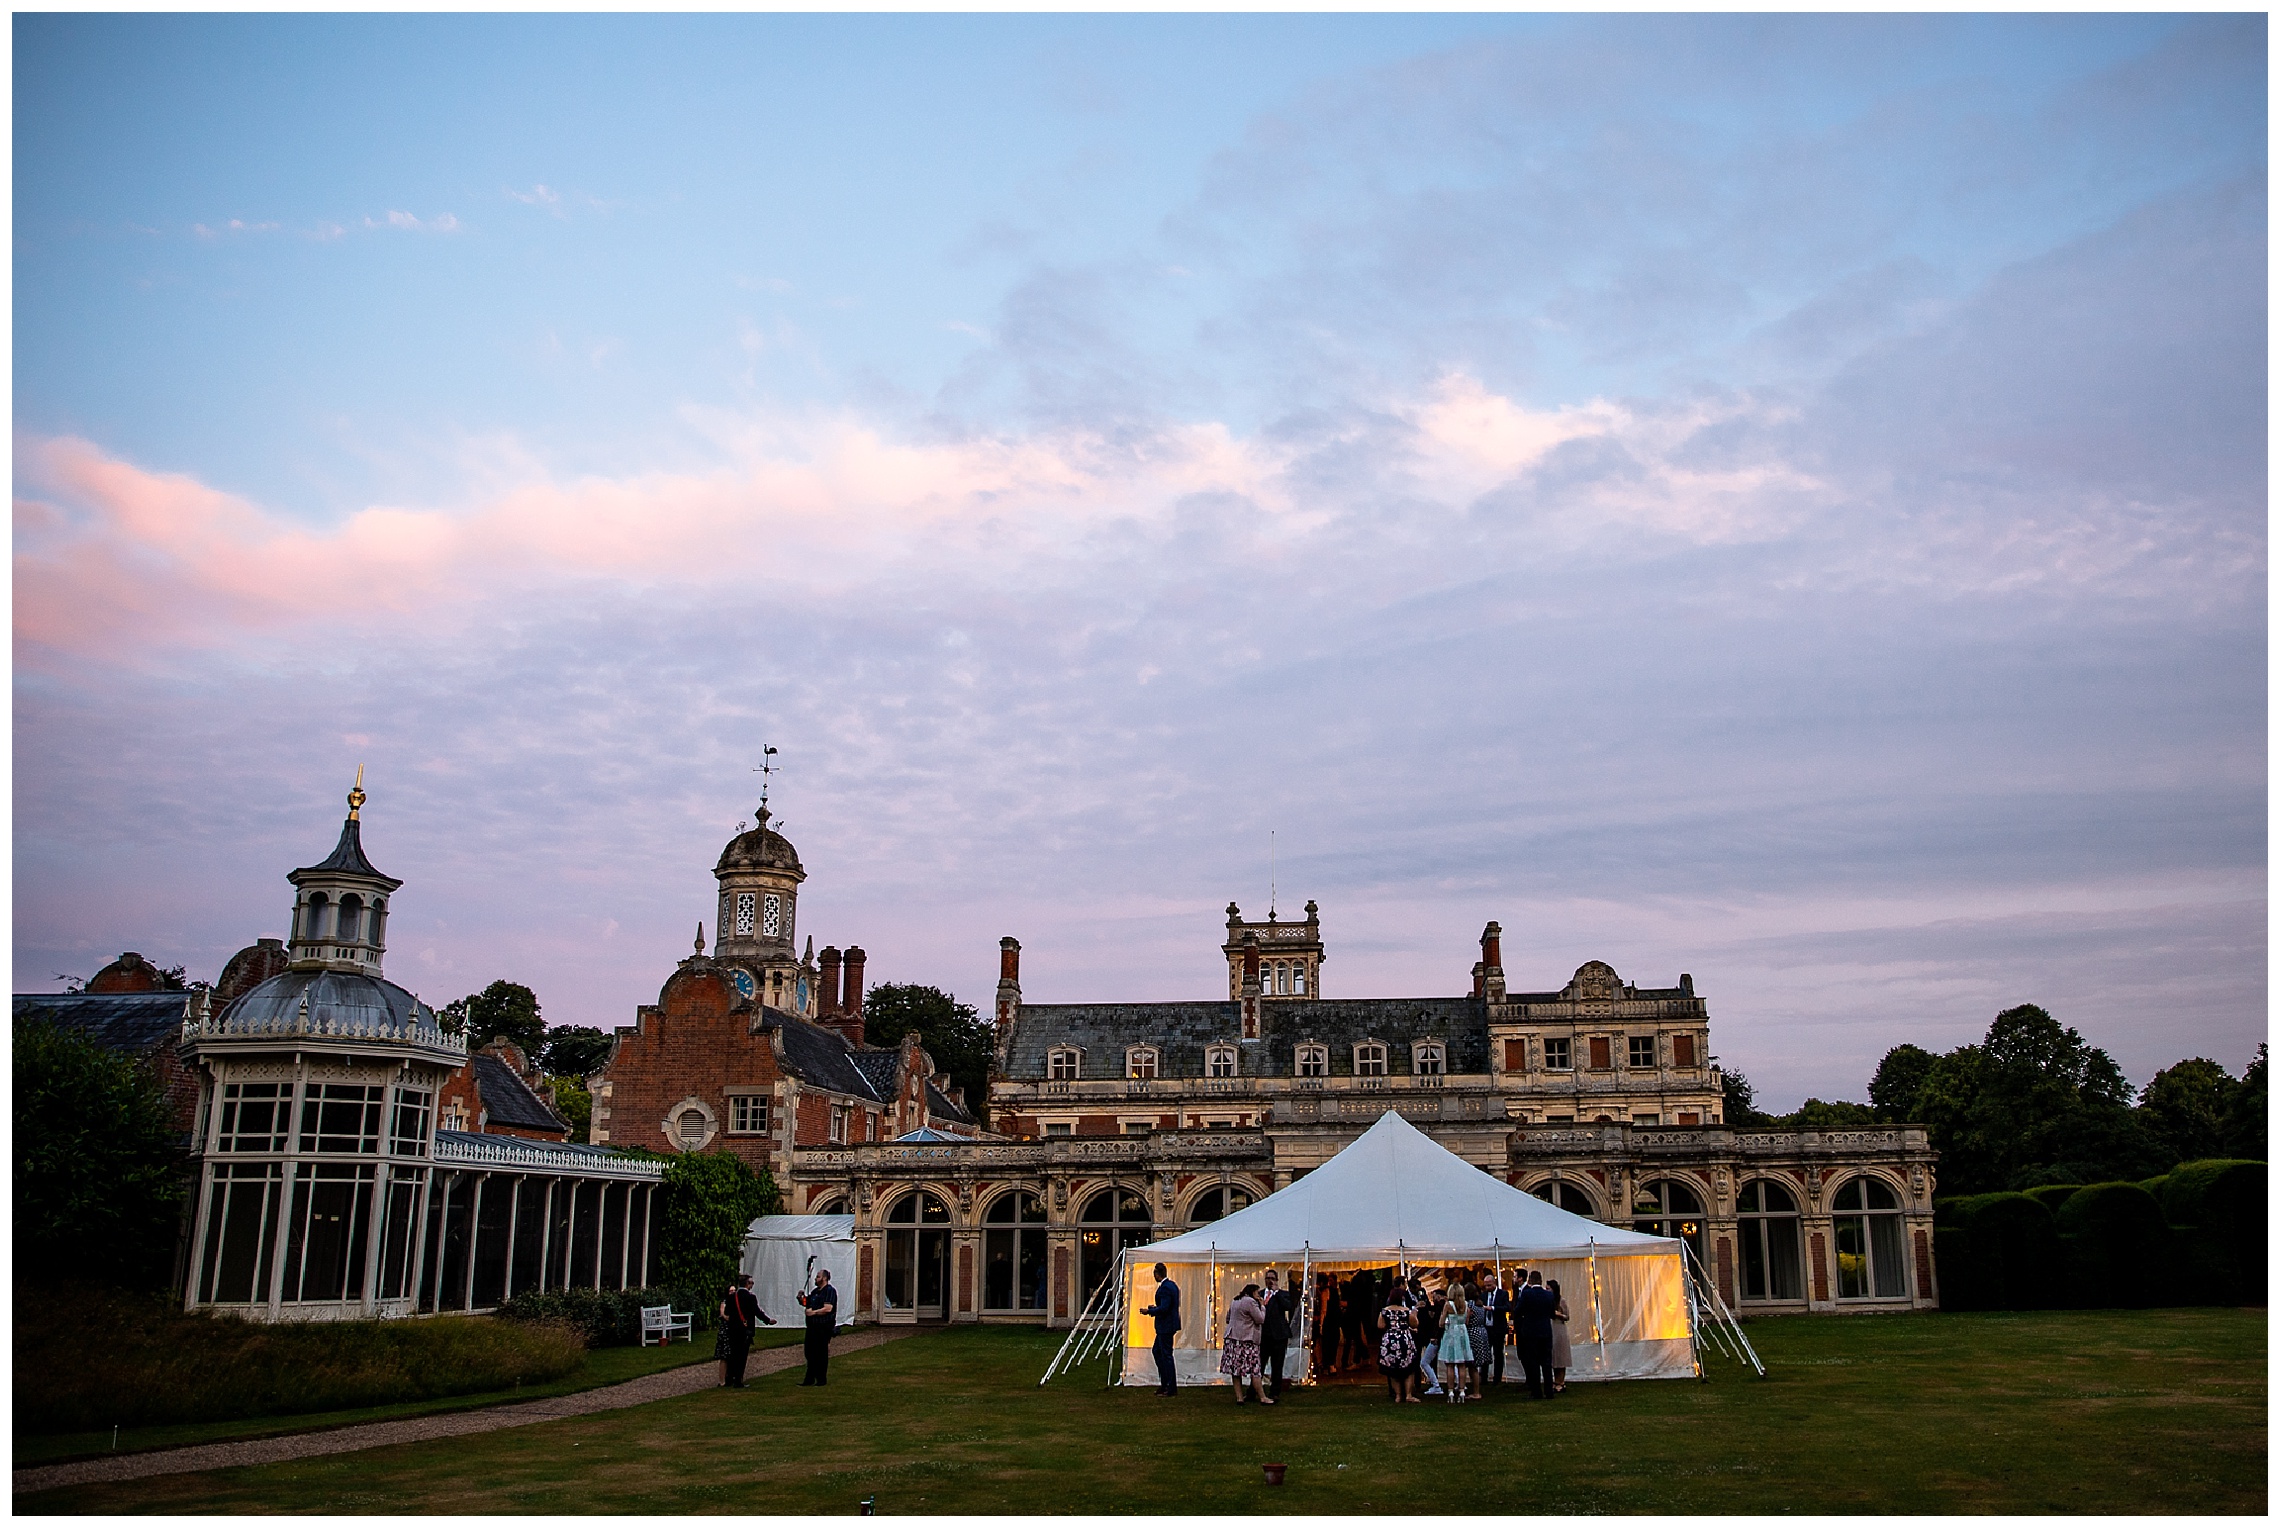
{"type": "Point", "coordinates": [2051, 1195]}
{"type": "Point", "coordinates": [1999, 1252]}
{"type": "Point", "coordinates": [2218, 1210]}
{"type": "Point", "coordinates": [2117, 1248]}
{"type": "Point", "coordinates": [610, 1318]}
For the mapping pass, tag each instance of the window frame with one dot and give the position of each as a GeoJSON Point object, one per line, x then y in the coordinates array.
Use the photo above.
{"type": "Point", "coordinates": [1311, 1054]}
{"type": "Point", "coordinates": [1064, 1055]}
{"type": "Point", "coordinates": [739, 1105]}
{"type": "Point", "coordinates": [1428, 1058]}
{"type": "Point", "coordinates": [1559, 1053]}
{"type": "Point", "coordinates": [1216, 1057]}
{"type": "Point", "coordinates": [1370, 1065]}
{"type": "Point", "coordinates": [1638, 1043]}
{"type": "Point", "coordinates": [1142, 1063]}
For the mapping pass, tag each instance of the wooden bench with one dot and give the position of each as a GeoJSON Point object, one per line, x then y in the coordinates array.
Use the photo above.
{"type": "Point", "coordinates": [663, 1321]}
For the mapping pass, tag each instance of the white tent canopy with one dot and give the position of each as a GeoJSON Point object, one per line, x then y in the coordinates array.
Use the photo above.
{"type": "Point", "coordinates": [1397, 1197]}
{"type": "Point", "coordinates": [782, 1253]}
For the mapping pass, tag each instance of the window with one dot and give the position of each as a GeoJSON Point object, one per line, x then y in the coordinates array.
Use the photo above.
{"type": "Point", "coordinates": [1682, 1050]}
{"type": "Point", "coordinates": [1670, 1208]}
{"type": "Point", "coordinates": [1769, 1234]}
{"type": "Point", "coordinates": [242, 1205]}
{"type": "Point", "coordinates": [1566, 1195]}
{"type": "Point", "coordinates": [351, 918]}
{"type": "Point", "coordinates": [1643, 1051]}
{"type": "Point", "coordinates": [1870, 1262]}
{"type": "Point", "coordinates": [1558, 1057]}
{"type": "Point", "coordinates": [1646, 1119]}
{"type": "Point", "coordinates": [918, 1254]}
{"type": "Point", "coordinates": [1219, 1061]}
{"type": "Point", "coordinates": [748, 1114]}
{"type": "Point", "coordinates": [772, 916]}
{"type": "Point", "coordinates": [1218, 1203]}
{"type": "Point", "coordinates": [1282, 977]}
{"type": "Point", "coordinates": [690, 1129]}
{"type": "Point", "coordinates": [1599, 1061]}
{"type": "Point", "coordinates": [1060, 1127]}
{"type": "Point", "coordinates": [341, 1117]}
{"type": "Point", "coordinates": [1428, 1059]}
{"type": "Point", "coordinates": [409, 1137]}
{"type": "Point", "coordinates": [745, 902]}
{"type": "Point", "coordinates": [254, 1116]}
{"type": "Point", "coordinates": [1111, 1220]}
{"type": "Point", "coordinates": [840, 1114]}
{"type": "Point", "coordinates": [326, 1229]}
{"type": "Point", "coordinates": [1013, 1253]}
{"type": "Point", "coordinates": [1139, 1127]}
{"type": "Point", "coordinates": [1061, 1066]}
{"type": "Point", "coordinates": [1140, 1063]}
{"type": "Point", "coordinates": [1314, 1061]}
{"type": "Point", "coordinates": [1369, 1060]}
{"type": "Point", "coordinates": [1298, 980]}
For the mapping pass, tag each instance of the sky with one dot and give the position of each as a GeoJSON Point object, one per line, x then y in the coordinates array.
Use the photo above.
{"type": "Point", "coordinates": [1778, 499]}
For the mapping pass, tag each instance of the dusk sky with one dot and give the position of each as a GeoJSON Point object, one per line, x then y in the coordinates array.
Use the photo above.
{"type": "Point", "coordinates": [1778, 499]}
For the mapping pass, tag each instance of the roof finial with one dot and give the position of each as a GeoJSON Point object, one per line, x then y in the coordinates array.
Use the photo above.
{"type": "Point", "coordinates": [700, 936]}
{"type": "Point", "coordinates": [356, 794]}
{"type": "Point", "coordinates": [766, 767]}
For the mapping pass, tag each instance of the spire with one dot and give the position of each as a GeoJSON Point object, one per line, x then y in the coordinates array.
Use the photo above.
{"type": "Point", "coordinates": [356, 794]}
{"type": "Point", "coordinates": [700, 936]}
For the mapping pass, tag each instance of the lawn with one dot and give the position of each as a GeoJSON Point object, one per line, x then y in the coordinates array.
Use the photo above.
{"type": "Point", "coordinates": [2102, 1411]}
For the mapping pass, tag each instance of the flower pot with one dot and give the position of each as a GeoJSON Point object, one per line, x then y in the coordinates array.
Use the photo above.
{"type": "Point", "coordinates": [1274, 1473]}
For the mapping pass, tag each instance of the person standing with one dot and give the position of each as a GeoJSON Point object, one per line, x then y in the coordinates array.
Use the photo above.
{"type": "Point", "coordinates": [1562, 1353]}
{"type": "Point", "coordinates": [1239, 1345]}
{"type": "Point", "coordinates": [1533, 1316]}
{"type": "Point", "coordinates": [1166, 1311]}
{"type": "Point", "coordinates": [1329, 1323]}
{"type": "Point", "coordinates": [1428, 1337]}
{"type": "Point", "coordinates": [822, 1303]}
{"type": "Point", "coordinates": [1455, 1355]}
{"type": "Point", "coordinates": [1274, 1336]}
{"type": "Point", "coordinates": [1397, 1348]}
{"type": "Point", "coordinates": [739, 1312]}
{"type": "Point", "coordinates": [1499, 1329]}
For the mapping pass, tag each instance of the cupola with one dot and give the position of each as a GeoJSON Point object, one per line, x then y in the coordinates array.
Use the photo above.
{"type": "Point", "coordinates": [759, 874]}
{"type": "Point", "coordinates": [340, 904]}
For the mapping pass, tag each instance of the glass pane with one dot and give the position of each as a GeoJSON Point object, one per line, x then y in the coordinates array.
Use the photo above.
{"type": "Point", "coordinates": [903, 1211]}
{"type": "Point", "coordinates": [1880, 1195]}
{"type": "Point", "coordinates": [902, 1256]}
{"type": "Point", "coordinates": [1852, 1259]}
{"type": "Point", "coordinates": [493, 1226]}
{"type": "Point", "coordinates": [400, 1221]}
{"type": "Point", "coordinates": [1787, 1268]}
{"type": "Point", "coordinates": [933, 1265]}
{"type": "Point", "coordinates": [998, 1269]}
{"type": "Point", "coordinates": [1032, 1269]}
{"type": "Point", "coordinates": [933, 1211]}
{"type": "Point", "coordinates": [1848, 1197]}
{"type": "Point", "coordinates": [1887, 1259]}
{"type": "Point", "coordinates": [1754, 1279]}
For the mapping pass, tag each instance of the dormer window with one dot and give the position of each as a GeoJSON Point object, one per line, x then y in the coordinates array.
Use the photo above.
{"type": "Point", "coordinates": [1369, 1059]}
{"type": "Point", "coordinates": [1428, 1059]}
{"type": "Point", "coordinates": [1314, 1061]}
{"type": "Point", "coordinates": [1140, 1062]}
{"type": "Point", "coordinates": [1061, 1065]}
{"type": "Point", "coordinates": [1219, 1061]}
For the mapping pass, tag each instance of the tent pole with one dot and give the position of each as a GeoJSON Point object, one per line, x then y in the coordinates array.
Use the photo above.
{"type": "Point", "coordinates": [1721, 1316]}
{"type": "Point", "coordinates": [1306, 1305]}
{"type": "Point", "coordinates": [1598, 1326]}
{"type": "Point", "coordinates": [1123, 1323]}
{"type": "Point", "coordinates": [1107, 1287]}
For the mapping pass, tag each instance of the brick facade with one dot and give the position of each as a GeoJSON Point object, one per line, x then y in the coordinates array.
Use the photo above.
{"type": "Point", "coordinates": [697, 1041]}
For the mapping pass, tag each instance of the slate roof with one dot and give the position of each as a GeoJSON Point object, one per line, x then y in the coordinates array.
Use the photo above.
{"type": "Point", "coordinates": [348, 856]}
{"type": "Point", "coordinates": [878, 1069]}
{"type": "Point", "coordinates": [940, 1107]}
{"type": "Point", "coordinates": [133, 1022]}
{"type": "Point", "coordinates": [1180, 1031]}
{"type": "Point", "coordinates": [820, 1056]}
{"type": "Point", "coordinates": [508, 1100]}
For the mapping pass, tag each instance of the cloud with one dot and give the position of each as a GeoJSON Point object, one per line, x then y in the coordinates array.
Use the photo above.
{"type": "Point", "coordinates": [442, 222]}
{"type": "Point", "coordinates": [539, 196]}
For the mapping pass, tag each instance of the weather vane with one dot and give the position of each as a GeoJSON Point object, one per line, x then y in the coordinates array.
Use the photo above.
{"type": "Point", "coordinates": [766, 767]}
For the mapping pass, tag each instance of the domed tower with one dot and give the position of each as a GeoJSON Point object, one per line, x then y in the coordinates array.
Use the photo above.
{"type": "Point", "coordinates": [340, 904]}
{"type": "Point", "coordinates": [760, 874]}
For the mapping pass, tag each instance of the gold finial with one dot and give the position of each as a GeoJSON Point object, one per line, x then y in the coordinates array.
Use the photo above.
{"type": "Point", "coordinates": [356, 795]}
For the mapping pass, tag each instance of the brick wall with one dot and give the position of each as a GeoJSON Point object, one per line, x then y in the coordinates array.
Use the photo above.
{"type": "Point", "coordinates": [697, 1041]}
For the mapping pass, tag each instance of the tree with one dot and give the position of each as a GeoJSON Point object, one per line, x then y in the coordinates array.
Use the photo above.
{"type": "Point", "coordinates": [2185, 1107]}
{"type": "Point", "coordinates": [1899, 1078]}
{"type": "Point", "coordinates": [504, 1009]}
{"type": "Point", "coordinates": [574, 1104]}
{"type": "Point", "coordinates": [574, 1050]}
{"type": "Point", "coordinates": [1813, 1114]}
{"type": "Point", "coordinates": [100, 1164]}
{"type": "Point", "coordinates": [1741, 1102]}
{"type": "Point", "coordinates": [709, 1199]}
{"type": "Point", "coordinates": [2244, 1122]}
{"type": "Point", "coordinates": [953, 1034]}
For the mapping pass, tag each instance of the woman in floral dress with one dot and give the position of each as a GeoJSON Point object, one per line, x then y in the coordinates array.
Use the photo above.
{"type": "Point", "coordinates": [1239, 1349]}
{"type": "Point", "coordinates": [1397, 1348]}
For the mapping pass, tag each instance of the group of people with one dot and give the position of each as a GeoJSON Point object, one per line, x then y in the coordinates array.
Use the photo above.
{"type": "Point", "coordinates": [1427, 1335]}
{"type": "Point", "coordinates": [739, 1316]}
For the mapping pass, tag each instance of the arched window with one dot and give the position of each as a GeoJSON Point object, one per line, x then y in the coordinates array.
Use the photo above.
{"type": "Point", "coordinates": [1140, 1062]}
{"type": "Point", "coordinates": [1111, 1220]}
{"type": "Point", "coordinates": [1566, 1195]}
{"type": "Point", "coordinates": [1871, 1262]}
{"type": "Point", "coordinates": [1013, 1252]}
{"type": "Point", "coordinates": [1061, 1065]}
{"type": "Point", "coordinates": [1669, 1208]}
{"type": "Point", "coordinates": [1769, 1232]}
{"type": "Point", "coordinates": [1219, 1061]}
{"type": "Point", "coordinates": [1298, 980]}
{"type": "Point", "coordinates": [313, 917]}
{"type": "Point", "coordinates": [351, 918]}
{"type": "Point", "coordinates": [378, 937]}
{"type": "Point", "coordinates": [1218, 1203]}
{"type": "Point", "coordinates": [918, 1255]}
{"type": "Point", "coordinates": [835, 1205]}
{"type": "Point", "coordinates": [1314, 1061]}
{"type": "Point", "coordinates": [1428, 1059]}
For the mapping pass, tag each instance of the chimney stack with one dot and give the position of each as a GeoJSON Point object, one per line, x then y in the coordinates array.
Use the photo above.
{"type": "Point", "coordinates": [827, 990]}
{"type": "Point", "coordinates": [851, 996]}
{"type": "Point", "coordinates": [1009, 980]}
{"type": "Point", "coordinates": [1250, 996]}
{"type": "Point", "coordinates": [1489, 984]}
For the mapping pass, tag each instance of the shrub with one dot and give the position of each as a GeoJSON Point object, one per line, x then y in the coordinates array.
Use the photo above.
{"type": "Point", "coordinates": [2219, 1209]}
{"type": "Point", "coordinates": [148, 1362]}
{"type": "Point", "coordinates": [2000, 1252]}
{"type": "Point", "coordinates": [609, 1318]}
{"type": "Point", "coordinates": [2154, 1186]}
{"type": "Point", "coordinates": [2116, 1247]}
{"type": "Point", "coordinates": [2051, 1195]}
{"type": "Point", "coordinates": [710, 1200]}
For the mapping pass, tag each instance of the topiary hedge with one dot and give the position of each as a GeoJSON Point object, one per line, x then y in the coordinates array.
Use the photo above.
{"type": "Point", "coordinates": [2116, 1248]}
{"type": "Point", "coordinates": [2218, 1211]}
{"type": "Point", "coordinates": [1999, 1252]}
{"type": "Point", "coordinates": [610, 1318]}
{"type": "Point", "coordinates": [2051, 1195]}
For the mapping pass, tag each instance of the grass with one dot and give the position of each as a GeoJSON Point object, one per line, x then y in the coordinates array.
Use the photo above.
{"type": "Point", "coordinates": [2076, 1412]}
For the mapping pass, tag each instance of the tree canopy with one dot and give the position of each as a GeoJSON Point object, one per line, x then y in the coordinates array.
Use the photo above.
{"type": "Point", "coordinates": [708, 1199]}
{"type": "Point", "coordinates": [504, 1009]}
{"type": "Point", "coordinates": [952, 1032]}
{"type": "Point", "coordinates": [574, 1050]}
{"type": "Point", "coordinates": [100, 1164]}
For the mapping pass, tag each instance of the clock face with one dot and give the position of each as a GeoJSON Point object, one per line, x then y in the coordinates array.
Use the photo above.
{"type": "Point", "coordinates": [744, 982]}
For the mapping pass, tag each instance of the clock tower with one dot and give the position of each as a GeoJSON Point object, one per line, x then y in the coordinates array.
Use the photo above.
{"type": "Point", "coordinates": [760, 874]}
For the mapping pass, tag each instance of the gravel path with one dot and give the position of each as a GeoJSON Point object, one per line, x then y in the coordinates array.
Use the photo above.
{"type": "Point", "coordinates": [343, 1440]}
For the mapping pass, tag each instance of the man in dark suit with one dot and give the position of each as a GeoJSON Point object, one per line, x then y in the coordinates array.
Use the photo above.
{"type": "Point", "coordinates": [1274, 1337]}
{"type": "Point", "coordinates": [822, 1304]}
{"type": "Point", "coordinates": [1499, 1303]}
{"type": "Point", "coordinates": [1166, 1310]}
{"type": "Point", "coordinates": [1532, 1322]}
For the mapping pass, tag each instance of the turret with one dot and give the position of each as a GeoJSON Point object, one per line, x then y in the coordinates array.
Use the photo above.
{"type": "Point", "coordinates": [340, 904]}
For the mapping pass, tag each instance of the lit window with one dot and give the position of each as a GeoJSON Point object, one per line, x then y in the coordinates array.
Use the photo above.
{"type": "Point", "coordinates": [1369, 1061]}
{"type": "Point", "coordinates": [1219, 1061]}
{"type": "Point", "coordinates": [1429, 1060]}
{"type": "Point", "coordinates": [748, 1113]}
{"type": "Point", "coordinates": [1140, 1063]}
{"type": "Point", "coordinates": [1870, 1261]}
{"type": "Point", "coordinates": [1558, 1057]}
{"type": "Point", "coordinates": [1314, 1061]}
{"type": "Point", "coordinates": [1643, 1051]}
{"type": "Point", "coordinates": [1061, 1066]}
